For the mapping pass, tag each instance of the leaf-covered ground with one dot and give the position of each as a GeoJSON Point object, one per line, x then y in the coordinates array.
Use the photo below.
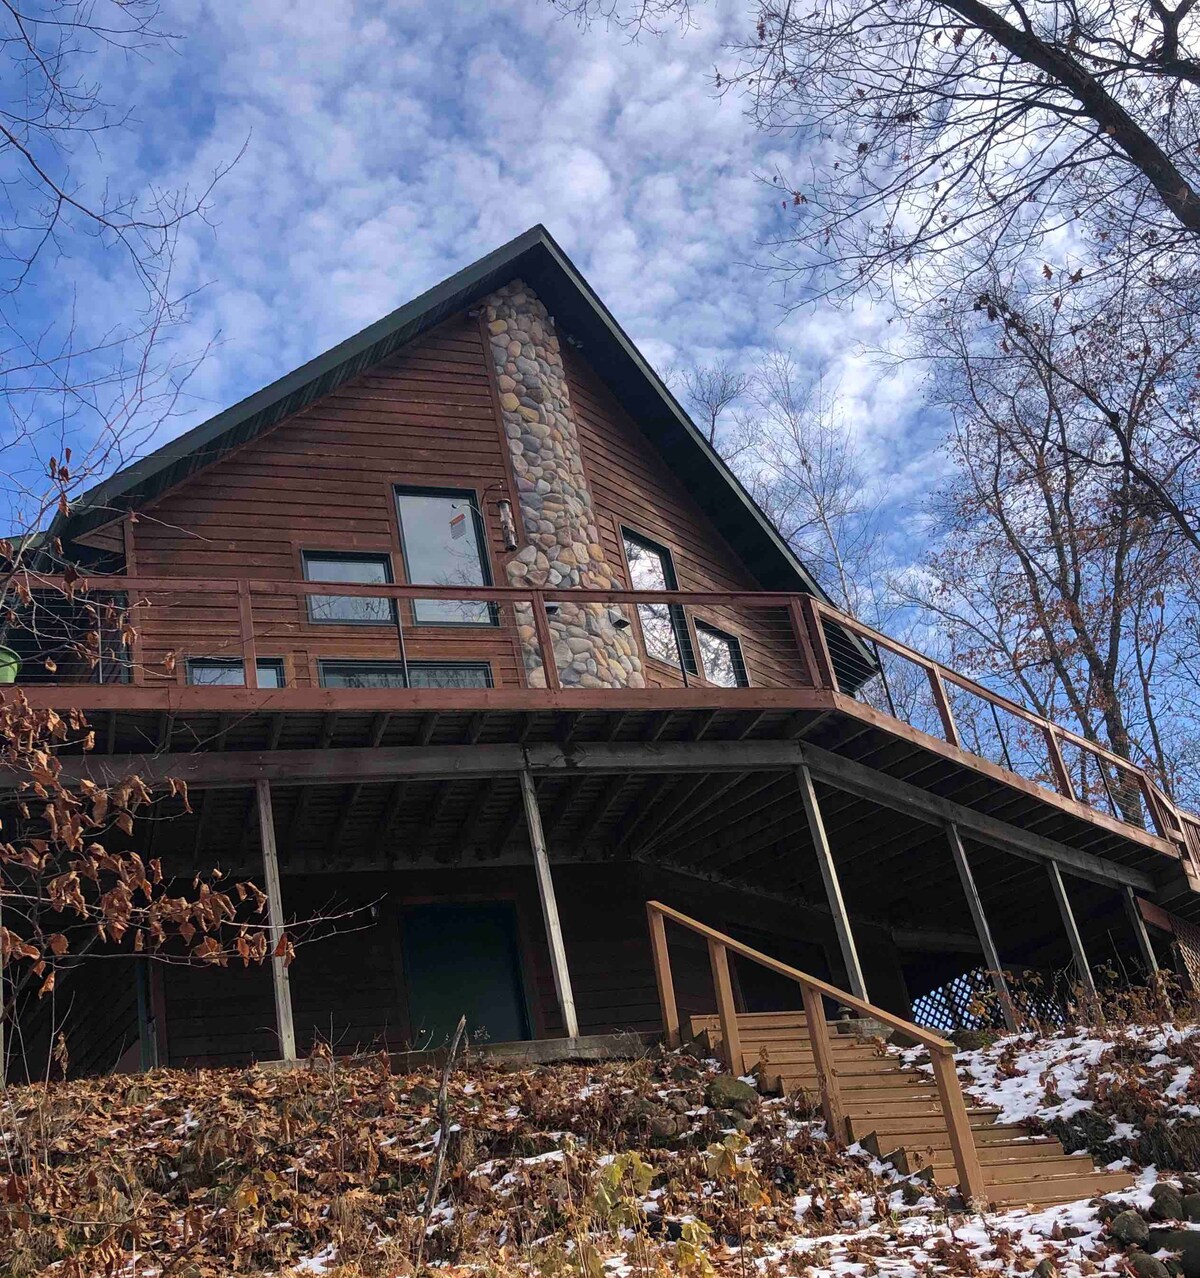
{"type": "Point", "coordinates": [620, 1168]}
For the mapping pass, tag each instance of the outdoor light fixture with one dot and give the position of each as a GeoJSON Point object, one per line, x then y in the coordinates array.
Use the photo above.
{"type": "Point", "coordinates": [551, 608]}
{"type": "Point", "coordinates": [508, 525]}
{"type": "Point", "coordinates": [618, 619]}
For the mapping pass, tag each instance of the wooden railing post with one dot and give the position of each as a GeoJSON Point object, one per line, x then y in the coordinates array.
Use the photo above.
{"type": "Point", "coordinates": [812, 667]}
{"type": "Point", "coordinates": [818, 644]}
{"type": "Point", "coordinates": [662, 976]}
{"type": "Point", "coordinates": [541, 626]}
{"type": "Point", "coordinates": [246, 630]}
{"type": "Point", "coordinates": [958, 1125]}
{"type": "Point", "coordinates": [941, 699]}
{"type": "Point", "coordinates": [827, 1080]}
{"type": "Point", "coordinates": [731, 1039]}
{"type": "Point", "coordinates": [1062, 777]}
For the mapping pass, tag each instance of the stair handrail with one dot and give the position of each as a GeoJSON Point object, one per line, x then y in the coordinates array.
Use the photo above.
{"type": "Point", "coordinates": [812, 988]}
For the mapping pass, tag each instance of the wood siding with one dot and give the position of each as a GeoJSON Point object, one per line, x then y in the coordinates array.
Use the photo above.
{"type": "Point", "coordinates": [349, 989]}
{"type": "Point", "coordinates": [324, 480]}
{"type": "Point", "coordinates": [633, 486]}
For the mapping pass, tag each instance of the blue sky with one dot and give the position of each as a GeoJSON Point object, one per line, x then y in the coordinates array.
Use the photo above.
{"type": "Point", "coordinates": [388, 144]}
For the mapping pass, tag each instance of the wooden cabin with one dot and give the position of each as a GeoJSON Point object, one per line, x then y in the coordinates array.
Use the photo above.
{"type": "Point", "coordinates": [468, 645]}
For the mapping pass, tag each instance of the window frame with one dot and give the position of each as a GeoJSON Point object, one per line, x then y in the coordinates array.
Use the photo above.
{"type": "Point", "coordinates": [403, 668]}
{"type": "Point", "coordinates": [688, 664]}
{"type": "Point", "coordinates": [737, 652]}
{"type": "Point", "coordinates": [346, 556]}
{"type": "Point", "coordinates": [471, 497]}
{"type": "Point", "coordinates": [276, 663]}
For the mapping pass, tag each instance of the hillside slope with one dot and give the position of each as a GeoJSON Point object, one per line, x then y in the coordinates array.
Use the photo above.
{"type": "Point", "coordinates": [654, 1166]}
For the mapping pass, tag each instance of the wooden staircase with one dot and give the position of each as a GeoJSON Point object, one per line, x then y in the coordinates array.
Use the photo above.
{"type": "Point", "coordinates": [895, 1111]}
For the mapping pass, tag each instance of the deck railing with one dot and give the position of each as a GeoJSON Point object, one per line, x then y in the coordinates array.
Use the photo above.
{"type": "Point", "coordinates": [784, 640]}
{"type": "Point", "coordinates": [813, 991]}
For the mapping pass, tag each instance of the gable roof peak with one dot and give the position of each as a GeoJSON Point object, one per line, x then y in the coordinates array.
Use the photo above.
{"type": "Point", "coordinates": [535, 257]}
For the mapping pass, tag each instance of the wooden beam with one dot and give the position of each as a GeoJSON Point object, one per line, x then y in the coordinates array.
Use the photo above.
{"type": "Point", "coordinates": [348, 765]}
{"type": "Point", "coordinates": [975, 905]}
{"type": "Point", "coordinates": [279, 973]}
{"type": "Point", "coordinates": [1072, 930]}
{"type": "Point", "coordinates": [833, 888]}
{"type": "Point", "coordinates": [554, 937]}
{"type": "Point", "coordinates": [391, 810]}
{"type": "Point", "coordinates": [845, 774]}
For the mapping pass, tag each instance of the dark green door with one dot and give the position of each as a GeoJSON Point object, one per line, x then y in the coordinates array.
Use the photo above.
{"type": "Point", "coordinates": [463, 959]}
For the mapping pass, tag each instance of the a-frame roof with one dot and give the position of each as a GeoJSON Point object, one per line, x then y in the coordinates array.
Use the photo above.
{"type": "Point", "coordinates": [535, 258]}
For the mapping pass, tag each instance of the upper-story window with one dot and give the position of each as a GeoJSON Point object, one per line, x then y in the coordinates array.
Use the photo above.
{"type": "Point", "coordinates": [398, 674]}
{"type": "Point", "coordinates": [664, 626]}
{"type": "Point", "coordinates": [721, 657]}
{"type": "Point", "coordinates": [225, 672]}
{"type": "Point", "coordinates": [442, 537]}
{"type": "Point", "coordinates": [361, 569]}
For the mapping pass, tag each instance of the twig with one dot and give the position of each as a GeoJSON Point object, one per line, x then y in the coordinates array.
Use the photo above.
{"type": "Point", "coordinates": [443, 1113]}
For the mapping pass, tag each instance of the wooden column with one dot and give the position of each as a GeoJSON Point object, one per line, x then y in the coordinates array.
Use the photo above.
{"type": "Point", "coordinates": [1068, 918]}
{"type": "Point", "coordinates": [975, 905]}
{"type": "Point", "coordinates": [833, 888]}
{"type": "Point", "coordinates": [279, 973]}
{"type": "Point", "coordinates": [541, 865]}
{"type": "Point", "coordinates": [1145, 948]}
{"type": "Point", "coordinates": [246, 632]}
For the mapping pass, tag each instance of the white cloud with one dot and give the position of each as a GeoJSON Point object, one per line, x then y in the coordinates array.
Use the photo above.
{"type": "Point", "coordinates": [391, 143]}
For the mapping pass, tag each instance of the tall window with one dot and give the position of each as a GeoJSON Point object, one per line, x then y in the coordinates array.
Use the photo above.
{"type": "Point", "coordinates": [390, 674]}
{"type": "Point", "coordinates": [349, 610]}
{"type": "Point", "coordinates": [664, 627]}
{"type": "Point", "coordinates": [721, 657]}
{"type": "Point", "coordinates": [221, 672]}
{"type": "Point", "coordinates": [443, 540]}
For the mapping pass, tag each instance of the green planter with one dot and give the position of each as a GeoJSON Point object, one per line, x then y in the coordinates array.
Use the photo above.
{"type": "Point", "coordinates": [10, 665]}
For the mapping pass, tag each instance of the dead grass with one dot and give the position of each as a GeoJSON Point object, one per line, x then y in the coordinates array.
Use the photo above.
{"type": "Point", "coordinates": [217, 1172]}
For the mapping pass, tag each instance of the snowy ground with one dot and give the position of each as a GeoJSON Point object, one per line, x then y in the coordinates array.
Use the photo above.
{"type": "Point", "coordinates": [624, 1168]}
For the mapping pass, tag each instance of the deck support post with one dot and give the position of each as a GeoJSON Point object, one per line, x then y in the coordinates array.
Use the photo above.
{"type": "Point", "coordinates": [1145, 945]}
{"type": "Point", "coordinates": [1077, 950]}
{"type": "Point", "coordinates": [279, 974]}
{"type": "Point", "coordinates": [990, 954]}
{"type": "Point", "coordinates": [541, 864]}
{"type": "Point", "coordinates": [833, 888]}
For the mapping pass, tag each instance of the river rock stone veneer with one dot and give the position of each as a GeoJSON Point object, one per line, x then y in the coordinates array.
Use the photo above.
{"type": "Point", "coordinates": [562, 547]}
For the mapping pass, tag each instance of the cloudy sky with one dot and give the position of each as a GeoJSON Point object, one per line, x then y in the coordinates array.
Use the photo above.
{"type": "Point", "coordinates": [390, 142]}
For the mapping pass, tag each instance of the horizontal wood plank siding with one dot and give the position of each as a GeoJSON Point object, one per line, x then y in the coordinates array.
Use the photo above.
{"type": "Point", "coordinates": [632, 485]}
{"type": "Point", "coordinates": [323, 480]}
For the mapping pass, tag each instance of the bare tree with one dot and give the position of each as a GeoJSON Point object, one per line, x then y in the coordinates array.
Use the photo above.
{"type": "Point", "coordinates": [931, 129]}
{"type": "Point", "coordinates": [799, 459]}
{"type": "Point", "coordinates": [709, 390]}
{"type": "Point", "coordinates": [81, 397]}
{"type": "Point", "coordinates": [1053, 577]}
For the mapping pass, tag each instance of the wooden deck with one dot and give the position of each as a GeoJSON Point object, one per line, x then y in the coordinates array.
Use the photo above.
{"type": "Point", "coordinates": [693, 776]}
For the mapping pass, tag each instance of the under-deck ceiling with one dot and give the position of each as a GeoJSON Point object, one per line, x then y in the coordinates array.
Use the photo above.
{"type": "Point", "coordinates": [744, 826]}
